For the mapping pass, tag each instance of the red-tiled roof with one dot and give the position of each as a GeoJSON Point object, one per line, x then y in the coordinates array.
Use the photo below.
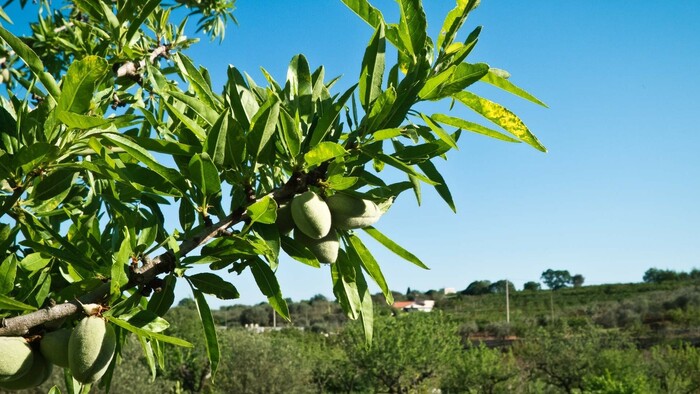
{"type": "Point", "coordinates": [402, 304]}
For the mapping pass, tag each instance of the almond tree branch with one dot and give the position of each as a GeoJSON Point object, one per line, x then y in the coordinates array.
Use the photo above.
{"type": "Point", "coordinates": [164, 263]}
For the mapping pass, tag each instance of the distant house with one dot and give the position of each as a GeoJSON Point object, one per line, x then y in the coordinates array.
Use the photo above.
{"type": "Point", "coordinates": [412, 306]}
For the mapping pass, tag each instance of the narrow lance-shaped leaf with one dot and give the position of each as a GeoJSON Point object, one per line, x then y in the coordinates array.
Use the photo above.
{"type": "Point", "coordinates": [501, 116]}
{"type": "Point", "coordinates": [268, 285]}
{"type": "Point", "coordinates": [209, 114]}
{"type": "Point", "coordinates": [398, 164]}
{"type": "Point", "coordinates": [394, 247]}
{"type": "Point", "coordinates": [209, 328]}
{"type": "Point", "coordinates": [10, 304]}
{"type": "Point", "coordinates": [31, 59]}
{"type": "Point", "coordinates": [412, 26]}
{"type": "Point", "coordinates": [442, 134]}
{"type": "Point", "coordinates": [142, 155]}
{"type": "Point", "coordinates": [323, 152]}
{"type": "Point", "coordinates": [496, 80]}
{"type": "Point", "coordinates": [197, 81]}
{"type": "Point", "coordinates": [204, 174]}
{"type": "Point", "coordinates": [454, 79]}
{"type": "Point", "coordinates": [161, 301]}
{"type": "Point", "coordinates": [473, 127]}
{"type": "Point", "coordinates": [149, 334]}
{"type": "Point", "coordinates": [373, 64]}
{"type": "Point", "coordinates": [263, 126]}
{"type": "Point", "coordinates": [136, 23]}
{"type": "Point", "coordinates": [453, 22]}
{"type": "Point", "coordinates": [213, 284]}
{"type": "Point", "coordinates": [369, 263]}
{"type": "Point", "coordinates": [326, 122]}
{"type": "Point", "coordinates": [431, 172]}
{"type": "Point", "coordinates": [263, 211]}
{"type": "Point", "coordinates": [8, 272]}
{"type": "Point", "coordinates": [79, 84]}
{"type": "Point", "coordinates": [299, 79]}
{"type": "Point", "coordinates": [366, 307]}
{"type": "Point", "coordinates": [120, 261]}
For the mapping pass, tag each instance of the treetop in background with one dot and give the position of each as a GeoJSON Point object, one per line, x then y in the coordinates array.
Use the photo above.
{"type": "Point", "coordinates": [97, 137]}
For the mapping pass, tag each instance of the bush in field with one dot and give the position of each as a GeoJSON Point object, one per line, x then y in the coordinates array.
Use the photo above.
{"type": "Point", "coordinates": [478, 369]}
{"type": "Point", "coordinates": [408, 351]}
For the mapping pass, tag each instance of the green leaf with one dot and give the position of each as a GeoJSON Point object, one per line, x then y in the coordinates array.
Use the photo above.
{"type": "Point", "coordinates": [442, 134]}
{"type": "Point", "coordinates": [373, 63]}
{"type": "Point", "coordinates": [34, 262]}
{"type": "Point", "coordinates": [498, 81]}
{"type": "Point", "coordinates": [354, 289]}
{"type": "Point", "coordinates": [79, 84]}
{"type": "Point", "coordinates": [412, 26]}
{"type": "Point", "coordinates": [32, 156]}
{"type": "Point", "coordinates": [33, 62]}
{"type": "Point", "coordinates": [384, 134]}
{"type": "Point", "coordinates": [323, 151]}
{"type": "Point", "coordinates": [262, 126]}
{"type": "Point", "coordinates": [268, 285]}
{"type": "Point", "coordinates": [325, 124]}
{"type": "Point", "coordinates": [146, 320]}
{"type": "Point", "coordinates": [163, 299]}
{"type": "Point", "coordinates": [200, 107]}
{"type": "Point", "coordinates": [82, 122]}
{"type": "Point", "coordinates": [216, 144]}
{"type": "Point", "coordinates": [50, 191]}
{"type": "Point", "coordinates": [360, 253]}
{"type": "Point", "coordinates": [120, 262]}
{"type": "Point", "coordinates": [473, 127]}
{"type": "Point", "coordinates": [164, 146]}
{"type": "Point", "coordinates": [190, 123]}
{"type": "Point", "coordinates": [198, 83]}
{"type": "Point", "coordinates": [394, 247]}
{"type": "Point", "coordinates": [396, 163]}
{"type": "Point", "coordinates": [209, 327]}
{"type": "Point", "coordinates": [209, 283]}
{"type": "Point", "coordinates": [135, 23]}
{"type": "Point", "coordinates": [299, 252]}
{"type": "Point", "coordinates": [8, 272]}
{"type": "Point", "coordinates": [453, 22]}
{"type": "Point", "coordinates": [291, 133]}
{"type": "Point", "coordinates": [263, 211]}
{"type": "Point", "coordinates": [237, 91]}
{"type": "Point", "coordinates": [381, 109]}
{"type": "Point", "coordinates": [204, 174]}
{"type": "Point", "coordinates": [454, 79]}
{"type": "Point", "coordinates": [139, 153]}
{"type": "Point", "coordinates": [300, 86]}
{"type": "Point", "coordinates": [10, 304]}
{"type": "Point", "coordinates": [501, 116]}
{"type": "Point", "coordinates": [431, 172]}
{"type": "Point", "coordinates": [149, 334]}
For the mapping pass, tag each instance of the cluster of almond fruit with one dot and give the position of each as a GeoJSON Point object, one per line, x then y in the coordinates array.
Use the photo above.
{"type": "Point", "coordinates": [86, 350]}
{"type": "Point", "coordinates": [316, 220]}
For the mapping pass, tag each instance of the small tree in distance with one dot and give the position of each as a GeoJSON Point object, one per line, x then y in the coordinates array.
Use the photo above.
{"type": "Point", "coordinates": [556, 279]}
{"type": "Point", "coordinates": [98, 138]}
{"type": "Point", "coordinates": [531, 286]}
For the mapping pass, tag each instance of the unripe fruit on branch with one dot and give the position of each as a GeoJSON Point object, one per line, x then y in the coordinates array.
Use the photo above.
{"type": "Point", "coordinates": [311, 215]}
{"type": "Point", "coordinates": [38, 373]}
{"type": "Point", "coordinates": [54, 347]}
{"type": "Point", "coordinates": [90, 349]}
{"type": "Point", "coordinates": [284, 222]}
{"type": "Point", "coordinates": [325, 249]}
{"type": "Point", "coordinates": [16, 358]}
{"type": "Point", "coordinates": [350, 212]}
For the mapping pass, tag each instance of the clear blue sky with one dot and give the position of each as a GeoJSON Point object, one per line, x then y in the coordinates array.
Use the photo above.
{"type": "Point", "coordinates": [618, 191]}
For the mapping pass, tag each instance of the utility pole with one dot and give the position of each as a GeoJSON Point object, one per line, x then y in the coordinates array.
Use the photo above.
{"type": "Point", "coordinates": [507, 303]}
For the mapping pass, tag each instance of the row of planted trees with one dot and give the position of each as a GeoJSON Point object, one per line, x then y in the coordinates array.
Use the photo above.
{"type": "Point", "coordinates": [415, 352]}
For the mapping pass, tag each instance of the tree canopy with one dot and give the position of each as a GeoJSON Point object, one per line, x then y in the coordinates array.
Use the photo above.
{"type": "Point", "coordinates": [98, 137]}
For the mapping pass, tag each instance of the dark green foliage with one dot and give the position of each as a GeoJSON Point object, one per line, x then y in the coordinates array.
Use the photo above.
{"type": "Point", "coordinates": [556, 279]}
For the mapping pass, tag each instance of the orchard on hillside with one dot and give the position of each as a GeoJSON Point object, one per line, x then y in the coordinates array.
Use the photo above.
{"type": "Point", "coordinates": [97, 137]}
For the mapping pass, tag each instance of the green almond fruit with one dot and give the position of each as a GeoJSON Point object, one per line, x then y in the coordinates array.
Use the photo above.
{"type": "Point", "coordinates": [285, 222]}
{"type": "Point", "coordinates": [16, 358]}
{"type": "Point", "coordinates": [90, 349]}
{"type": "Point", "coordinates": [37, 374]}
{"type": "Point", "coordinates": [350, 212]}
{"type": "Point", "coordinates": [325, 249]}
{"type": "Point", "coordinates": [311, 215]}
{"type": "Point", "coordinates": [54, 347]}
